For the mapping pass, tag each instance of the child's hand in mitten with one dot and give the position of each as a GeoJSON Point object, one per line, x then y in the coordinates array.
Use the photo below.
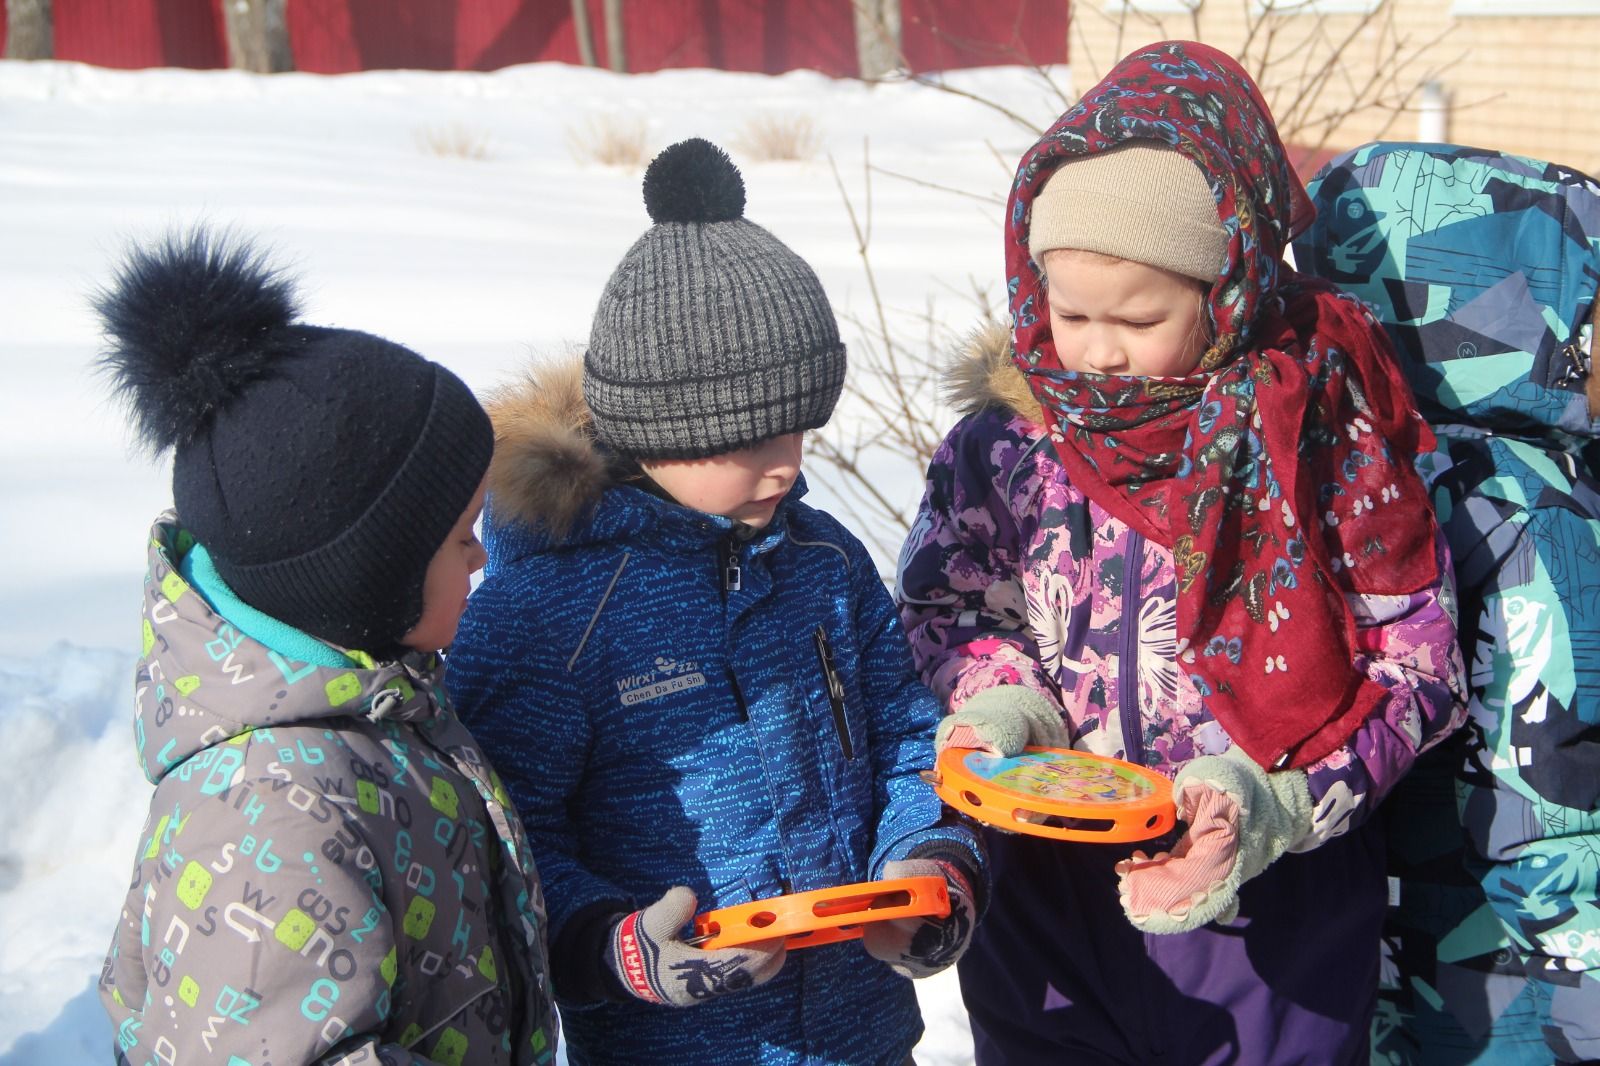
{"type": "Point", "coordinates": [1003, 720]}
{"type": "Point", "coordinates": [1240, 817]}
{"type": "Point", "coordinates": [921, 947]}
{"type": "Point", "coordinates": [647, 953]}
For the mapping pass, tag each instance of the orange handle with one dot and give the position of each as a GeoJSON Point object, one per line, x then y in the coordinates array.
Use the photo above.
{"type": "Point", "coordinates": [823, 915]}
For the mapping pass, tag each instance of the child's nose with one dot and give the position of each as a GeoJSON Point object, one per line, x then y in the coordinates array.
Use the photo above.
{"type": "Point", "coordinates": [1103, 352]}
{"type": "Point", "coordinates": [478, 557]}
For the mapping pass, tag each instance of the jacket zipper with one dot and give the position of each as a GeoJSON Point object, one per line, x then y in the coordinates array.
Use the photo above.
{"type": "Point", "coordinates": [1128, 657]}
{"type": "Point", "coordinates": [738, 695]}
{"type": "Point", "coordinates": [730, 570]}
{"type": "Point", "coordinates": [730, 578]}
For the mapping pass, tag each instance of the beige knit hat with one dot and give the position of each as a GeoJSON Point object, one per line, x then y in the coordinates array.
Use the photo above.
{"type": "Point", "coordinates": [1141, 201]}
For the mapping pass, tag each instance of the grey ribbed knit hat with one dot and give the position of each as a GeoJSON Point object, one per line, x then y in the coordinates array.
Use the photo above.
{"type": "Point", "coordinates": [711, 335]}
{"type": "Point", "coordinates": [1143, 201]}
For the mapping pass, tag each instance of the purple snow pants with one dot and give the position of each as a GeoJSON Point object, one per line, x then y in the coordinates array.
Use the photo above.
{"type": "Point", "coordinates": [1056, 975]}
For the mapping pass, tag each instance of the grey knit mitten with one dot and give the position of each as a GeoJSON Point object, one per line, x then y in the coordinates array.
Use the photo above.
{"type": "Point", "coordinates": [921, 947]}
{"type": "Point", "coordinates": [647, 953]}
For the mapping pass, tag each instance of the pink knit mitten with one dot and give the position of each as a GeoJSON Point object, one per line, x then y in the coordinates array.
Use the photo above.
{"type": "Point", "coordinates": [1240, 817]}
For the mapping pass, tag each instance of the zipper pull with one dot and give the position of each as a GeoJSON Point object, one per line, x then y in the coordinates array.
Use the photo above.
{"type": "Point", "coordinates": [835, 689]}
{"type": "Point", "coordinates": [1578, 365]}
{"type": "Point", "coordinates": [732, 571]}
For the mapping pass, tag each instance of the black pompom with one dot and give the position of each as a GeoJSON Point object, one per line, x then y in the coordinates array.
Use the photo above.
{"type": "Point", "coordinates": [189, 320]}
{"type": "Point", "coordinates": [693, 181]}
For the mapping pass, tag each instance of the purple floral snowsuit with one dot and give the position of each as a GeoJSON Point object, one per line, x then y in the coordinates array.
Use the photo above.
{"type": "Point", "coordinates": [1012, 576]}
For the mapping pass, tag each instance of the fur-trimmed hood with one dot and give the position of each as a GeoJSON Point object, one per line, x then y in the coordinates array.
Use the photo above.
{"type": "Point", "coordinates": [984, 374]}
{"type": "Point", "coordinates": [548, 469]}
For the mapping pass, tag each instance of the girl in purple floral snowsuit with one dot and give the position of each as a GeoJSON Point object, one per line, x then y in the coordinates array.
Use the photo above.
{"type": "Point", "coordinates": [1221, 567]}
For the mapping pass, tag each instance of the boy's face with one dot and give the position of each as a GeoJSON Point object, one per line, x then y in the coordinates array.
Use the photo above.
{"type": "Point", "coordinates": [1114, 316]}
{"type": "Point", "coordinates": [449, 580]}
{"type": "Point", "coordinates": [745, 485]}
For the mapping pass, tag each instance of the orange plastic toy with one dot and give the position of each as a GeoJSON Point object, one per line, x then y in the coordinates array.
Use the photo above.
{"type": "Point", "coordinates": [823, 915]}
{"type": "Point", "coordinates": [1057, 793]}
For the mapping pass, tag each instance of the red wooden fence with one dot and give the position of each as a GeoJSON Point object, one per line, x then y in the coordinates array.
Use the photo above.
{"type": "Point", "coordinates": [337, 36]}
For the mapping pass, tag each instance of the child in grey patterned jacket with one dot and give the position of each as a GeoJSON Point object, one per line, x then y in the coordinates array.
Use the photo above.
{"type": "Point", "coordinates": [330, 872]}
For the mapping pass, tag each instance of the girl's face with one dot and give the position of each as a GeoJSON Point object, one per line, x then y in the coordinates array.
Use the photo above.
{"type": "Point", "coordinates": [1114, 316]}
{"type": "Point", "coordinates": [745, 485]}
{"type": "Point", "coordinates": [449, 580]}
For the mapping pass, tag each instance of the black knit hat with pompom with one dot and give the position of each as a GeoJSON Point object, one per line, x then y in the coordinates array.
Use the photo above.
{"type": "Point", "coordinates": [711, 335]}
{"type": "Point", "coordinates": [321, 468]}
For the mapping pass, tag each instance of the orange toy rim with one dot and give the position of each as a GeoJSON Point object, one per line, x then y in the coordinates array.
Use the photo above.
{"type": "Point", "coordinates": [823, 915]}
{"type": "Point", "coordinates": [1057, 793]}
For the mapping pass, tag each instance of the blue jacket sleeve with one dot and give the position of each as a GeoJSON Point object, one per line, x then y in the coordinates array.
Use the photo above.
{"type": "Point", "coordinates": [912, 821]}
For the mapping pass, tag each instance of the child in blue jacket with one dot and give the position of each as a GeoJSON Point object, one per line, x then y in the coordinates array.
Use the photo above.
{"type": "Point", "coordinates": [694, 684]}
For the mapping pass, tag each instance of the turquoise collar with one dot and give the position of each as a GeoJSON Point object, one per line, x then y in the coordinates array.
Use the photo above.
{"type": "Point", "coordinates": [201, 573]}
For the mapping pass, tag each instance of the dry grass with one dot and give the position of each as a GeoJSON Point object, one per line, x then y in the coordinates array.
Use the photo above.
{"type": "Point", "coordinates": [610, 140]}
{"type": "Point", "coordinates": [774, 138]}
{"type": "Point", "coordinates": [454, 140]}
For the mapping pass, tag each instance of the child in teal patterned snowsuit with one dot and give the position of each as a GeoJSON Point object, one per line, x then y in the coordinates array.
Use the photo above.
{"type": "Point", "coordinates": [1483, 267]}
{"type": "Point", "coordinates": [330, 872]}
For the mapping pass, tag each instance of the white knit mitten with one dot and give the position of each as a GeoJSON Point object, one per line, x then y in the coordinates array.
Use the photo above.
{"type": "Point", "coordinates": [1241, 819]}
{"type": "Point", "coordinates": [1003, 720]}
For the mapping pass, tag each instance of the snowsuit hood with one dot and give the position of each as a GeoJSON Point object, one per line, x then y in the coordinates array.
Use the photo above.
{"type": "Point", "coordinates": [212, 714]}
{"type": "Point", "coordinates": [330, 870]}
{"type": "Point", "coordinates": [984, 374]}
{"type": "Point", "coordinates": [548, 470]}
{"type": "Point", "coordinates": [551, 471]}
{"type": "Point", "coordinates": [1488, 292]}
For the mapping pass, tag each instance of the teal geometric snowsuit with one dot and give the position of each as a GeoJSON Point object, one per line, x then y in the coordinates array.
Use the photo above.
{"type": "Point", "coordinates": [1484, 268]}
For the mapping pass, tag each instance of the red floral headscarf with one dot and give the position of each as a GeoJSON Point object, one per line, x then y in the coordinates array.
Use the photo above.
{"type": "Point", "coordinates": [1280, 473]}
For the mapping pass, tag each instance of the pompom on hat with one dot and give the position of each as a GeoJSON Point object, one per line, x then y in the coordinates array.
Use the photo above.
{"type": "Point", "coordinates": [1142, 201]}
{"type": "Point", "coordinates": [711, 334]}
{"type": "Point", "coordinates": [321, 468]}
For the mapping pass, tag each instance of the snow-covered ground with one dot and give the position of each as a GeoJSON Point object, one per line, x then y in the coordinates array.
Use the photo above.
{"type": "Point", "coordinates": [480, 263]}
